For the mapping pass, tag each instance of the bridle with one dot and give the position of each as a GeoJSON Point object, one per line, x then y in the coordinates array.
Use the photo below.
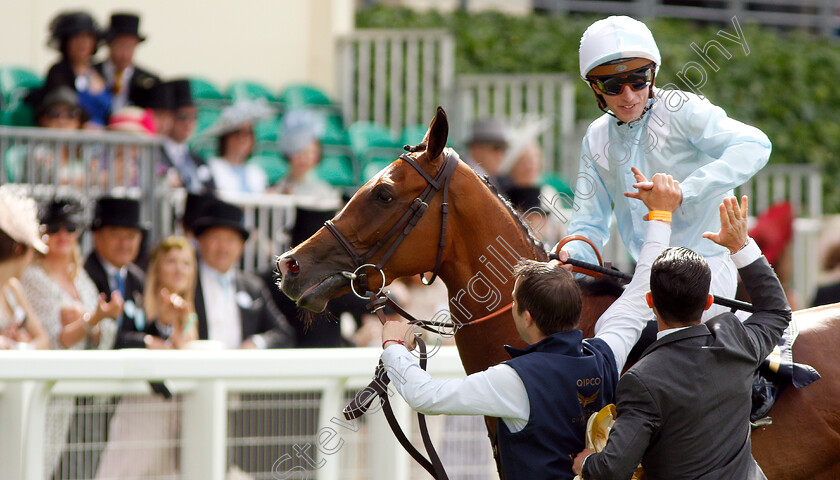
{"type": "Point", "coordinates": [403, 227]}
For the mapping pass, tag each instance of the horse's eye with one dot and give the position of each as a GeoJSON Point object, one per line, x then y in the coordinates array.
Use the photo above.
{"type": "Point", "coordinates": [383, 196]}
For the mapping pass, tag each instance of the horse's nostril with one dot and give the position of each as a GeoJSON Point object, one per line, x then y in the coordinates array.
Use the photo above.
{"type": "Point", "coordinates": [292, 265]}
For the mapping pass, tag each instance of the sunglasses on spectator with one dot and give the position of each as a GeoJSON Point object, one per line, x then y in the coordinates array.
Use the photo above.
{"type": "Point", "coordinates": [54, 228]}
{"type": "Point", "coordinates": [612, 85]}
{"type": "Point", "coordinates": [55, 113]}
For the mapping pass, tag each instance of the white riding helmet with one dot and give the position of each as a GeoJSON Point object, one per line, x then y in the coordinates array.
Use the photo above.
{"type": "Point", "coordinates": [614, 38]}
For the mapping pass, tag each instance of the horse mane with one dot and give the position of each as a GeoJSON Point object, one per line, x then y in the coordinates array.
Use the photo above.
{"type": "Point", "coordinates": [536, 243]}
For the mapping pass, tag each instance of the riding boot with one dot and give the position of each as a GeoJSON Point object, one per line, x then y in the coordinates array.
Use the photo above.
{"type": "Point", "coordinates": [764, 392]}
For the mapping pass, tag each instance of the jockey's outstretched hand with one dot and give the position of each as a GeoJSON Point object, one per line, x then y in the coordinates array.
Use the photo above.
{"type": "Point", "coordinates": [661, 193]}
{"type": "Point", "coordinates": [733, 224]}
{"type": "Point", "coordinates": [394, 331]}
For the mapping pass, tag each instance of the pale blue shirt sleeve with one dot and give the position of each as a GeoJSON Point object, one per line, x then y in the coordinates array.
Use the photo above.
{"type": "Point", "coordinates": [495, 392]}
{"type": "Point", "coordinates": [622, 324]}
{"type": "Point", "coordinates": [739, 150]}
{"type": "Point", "coordinates": [591, 210]}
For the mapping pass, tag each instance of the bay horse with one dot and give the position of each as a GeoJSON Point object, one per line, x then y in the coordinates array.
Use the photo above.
{"type": "Point", "coordinates": [481, 239]}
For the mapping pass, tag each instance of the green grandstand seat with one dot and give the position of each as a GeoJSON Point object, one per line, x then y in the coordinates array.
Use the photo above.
{"type": "Point", "coordinates": [247, 90]}
{"type": "Point", "coordinates": [266, 130]}
{"type": "Point", "coordinates": [374, 146]}
{"type": "Point", "coordinates": [335, 133]}
{"type": "Point", "coordinates": [274, 166]}
{"type": "Point", "coordinates": [337, 170]}
{"type": "Point", "coordinates": [559, 183]}
{"type": "Point", "coordinates": [18, 114]}
{"type": "Point", "coordinates": [302, 95]}
{"type": "Point", "coordinates": [202, 89]}
{"type": "Point", "coordinates": [15, 78]}
{"type": "Point", "coordinates": [206, 116]}
{"type": "Point", "coordinates": [412, 135]}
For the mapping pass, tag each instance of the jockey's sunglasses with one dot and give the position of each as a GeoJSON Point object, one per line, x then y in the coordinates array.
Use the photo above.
{"type": "Point", "coordinates": [612, 85]}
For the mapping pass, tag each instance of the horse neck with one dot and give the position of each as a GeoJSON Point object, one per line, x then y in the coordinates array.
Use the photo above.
{"type": "Point", "coordinates": [486, 242]}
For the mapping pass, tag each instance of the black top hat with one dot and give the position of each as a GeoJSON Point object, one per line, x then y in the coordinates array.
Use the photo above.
{"type": "Point", "coordinates": [217, 213]}
{"type": "Point", "coordinates": [307, 222]}
{"type": "Point", "coordinates": [161, 97]}
{"type": "Point", "coordinates": [61, 211]}
{"type": "Point", "coordinates": [124, 24]}
{"type": "Point", "coordinates": [71, 23]}
{"type": "Point", "coordinates": [181, 93]}
{"type": "Point", "coordinates": [194, 208]}
{"type": "Point", "coordinates": [117, 212]}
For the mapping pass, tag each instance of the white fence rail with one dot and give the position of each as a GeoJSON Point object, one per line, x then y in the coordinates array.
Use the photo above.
{"type": "Point", "coordinates": [395, 78]}
{"type": "Point", "coordinates": [519, 97]}
{"type": "Point", "coordinates": [270, 414]}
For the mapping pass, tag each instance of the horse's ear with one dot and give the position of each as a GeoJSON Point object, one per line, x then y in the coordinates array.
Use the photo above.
{"type": "Point", "coordinates": [437, 135]}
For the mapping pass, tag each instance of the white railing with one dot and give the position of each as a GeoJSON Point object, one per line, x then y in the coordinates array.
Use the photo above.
{"type": "Point", "coordinates": [395, 78]}
{"type": "Point", "coordinates": [519, 97]}
{"type": "Point", "coordinates": [211, 386]}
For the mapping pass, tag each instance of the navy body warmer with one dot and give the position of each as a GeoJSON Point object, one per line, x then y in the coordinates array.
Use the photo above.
{"type": "Point", "coordinates": [567, 379]}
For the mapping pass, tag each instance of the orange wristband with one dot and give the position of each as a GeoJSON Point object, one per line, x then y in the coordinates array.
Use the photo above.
{"type": "Point", "coordinates": [662, 215]}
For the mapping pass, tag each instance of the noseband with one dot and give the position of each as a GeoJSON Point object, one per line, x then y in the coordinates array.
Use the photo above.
{"type": "Point", "coordinates": [404, 225]}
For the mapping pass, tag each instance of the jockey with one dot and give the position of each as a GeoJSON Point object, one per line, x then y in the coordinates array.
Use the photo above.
{"type": "Point", "coordinates": [655, 130]}
{"type": "Point", "coordinates": [547, 391]}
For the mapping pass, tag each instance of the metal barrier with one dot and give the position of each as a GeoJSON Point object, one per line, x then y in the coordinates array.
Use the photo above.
{"type": "Point", "coordinates": [84, 164]}
{"type": "Point", "coordinates": [265, 415]}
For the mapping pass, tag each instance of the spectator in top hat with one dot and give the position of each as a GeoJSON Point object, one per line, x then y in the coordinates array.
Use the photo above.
{"type": "Point", "coordinates": [183, 167]}
{"type": "Point", "coordinates": [300, 144]}
{"type": "Point", "coordinates": [193, 208]}
{"type": "Point", "coordinates": [487, 146]}
{"type": "Point", "coordinates": [162, 105]}
{"type": "Point", "coordinates": [233, 306]}
{"type": "Point", "coordinates": [117, 234]}
{"type": "Point", "coordinates": [128, 83]}
{"type": "Point", "coordinates": [77, 35]}
{"type": "Point", "coordinates": [235, 130]}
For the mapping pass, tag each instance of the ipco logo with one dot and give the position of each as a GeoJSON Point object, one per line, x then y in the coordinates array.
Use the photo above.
{"type": "Point", "coordinates": [585, 382]}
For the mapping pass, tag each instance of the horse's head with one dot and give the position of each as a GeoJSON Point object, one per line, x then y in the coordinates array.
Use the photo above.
{"type": "Point", "coordinates": [371, 223]}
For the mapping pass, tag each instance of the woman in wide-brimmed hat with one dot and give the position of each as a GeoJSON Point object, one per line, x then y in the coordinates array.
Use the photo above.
{"type": "Point", "coordinates": [77, 36]}
{"type": "Point", "coordinates": [19, 326]}
{"type": "Point", "coordinates": [235, 130]}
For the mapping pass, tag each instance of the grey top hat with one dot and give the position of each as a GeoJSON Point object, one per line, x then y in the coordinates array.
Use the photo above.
{"type": "Point", "coordinates": [297, 129]}
{"type": "Point", "coordinates": [240, 113]}
{"type": "Point", "coordinates": [489, 130]}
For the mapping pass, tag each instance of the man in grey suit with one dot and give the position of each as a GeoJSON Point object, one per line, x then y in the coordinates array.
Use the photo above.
{"type": "Point", "coordinates": [683, 409]}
